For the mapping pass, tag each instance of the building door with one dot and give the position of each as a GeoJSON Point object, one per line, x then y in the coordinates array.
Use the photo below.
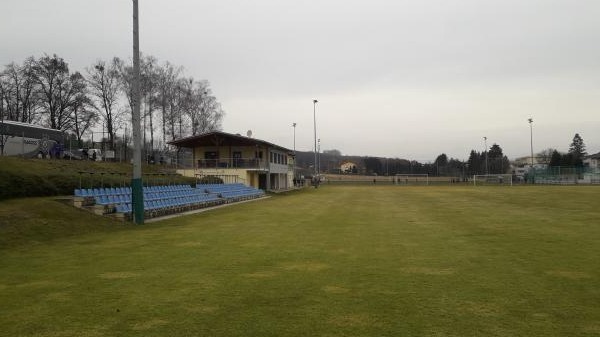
{"type": "Point", "coordinates": [237, 159]}
{"type": "Point", "coordinates": [262, 181]}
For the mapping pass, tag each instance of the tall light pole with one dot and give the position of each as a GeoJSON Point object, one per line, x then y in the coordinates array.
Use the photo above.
{"type": "Point", "coordinates": [137, 192]}
{"type": "Point", "coordinates": [530, 120]}
{"type": "Point", "coordinates": [315, 128]}
{"type": "Point", "coordinates": [319, 156]}
{"type": "Point", "coordinates": [294, 126]}
{"type": "Point", "coordinates": [486, 155]}
{"type": "Point", "coordinates": [1, 127]}
{"type": "Point", "coordinates": [294, 167]}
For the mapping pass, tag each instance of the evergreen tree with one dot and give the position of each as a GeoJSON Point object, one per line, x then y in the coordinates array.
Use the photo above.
{"type": "Point", "coordinates": [556, 158]}
{"type": "Point", "coordinates": [475, 163]}
{"type": "Point", "coordinates": [441, 162]}
{"type": "Point", "coordinates": [577, 150]}
{"type": "Point", "coordinates": [497, 161]}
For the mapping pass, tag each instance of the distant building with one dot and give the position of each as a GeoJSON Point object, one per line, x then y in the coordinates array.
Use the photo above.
{"type": "Point", "coordinates": [592, 161]}
{"type": "Point", "coordinates": [521, 166]}
{"type": "Point", "coordinates": [348, 167]}
{"type": "Point", "coordinates": [221, 156]}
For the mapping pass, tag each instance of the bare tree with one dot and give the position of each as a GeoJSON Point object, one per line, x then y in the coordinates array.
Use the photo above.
{"type": "Point", "coordinates": [545, 156]}
{"type": "Point", "coordinates": [185, 106]}
{"type": "Point", "coordinates": [125, 71]}
{"type": "Point", "coordinates": [166, 90]}
{"type": "Point", "coordinates": [29, 96]}
{"type": "Point", "coordinates": [18, 91]}
{"type": "Point", "coordinates": [85, 116]}
{"type": "Point", "coordinates": [104, 86]}
{"type": "Point", "coordinates": [149, 78]}
{"type": "Point", "coordinates": [11, 89]}
{"type": "Point", "coordinates": [205, 111]}
{"type": "Point", "coordinates": [58, 90]}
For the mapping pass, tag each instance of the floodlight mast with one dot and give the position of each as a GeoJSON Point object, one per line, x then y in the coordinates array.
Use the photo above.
{"type": "Point", "coordinates": [294, 167]}
{"type": "Point", "coordinates": [315, 128]}
{"type": "Point", "coordinates": [530, 120]}
{"type": "Point", "coordinates": [486, 155]}
{"type": "Point", "coordinates": [2, 129]}
{"type": "Point", "coordinates": [137, 194]}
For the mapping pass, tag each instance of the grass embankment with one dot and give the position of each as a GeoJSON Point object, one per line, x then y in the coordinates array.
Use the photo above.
{"type": "Point", "coordinates": [33, 221]}
{"type": "Point", "coordinates": [41, 177]}
{"type": "Point", "coordinates": [336, 261]}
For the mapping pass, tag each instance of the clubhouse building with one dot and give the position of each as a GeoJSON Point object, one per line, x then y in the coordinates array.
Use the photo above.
{"type": "Point", "coordinates": [233, 158]}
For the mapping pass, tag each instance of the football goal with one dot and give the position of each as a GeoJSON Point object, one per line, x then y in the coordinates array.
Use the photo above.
{"type": "Point", "coordinates": [492, 179]}
{"type": "Point", "coordinates": [411, 179]}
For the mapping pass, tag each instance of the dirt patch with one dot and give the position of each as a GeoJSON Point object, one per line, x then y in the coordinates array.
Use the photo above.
{"type": "Point", "coordinates": [305, 266]}
{"type": "Point", "coordinates": [118, 275]}
{"type": "Point", "coordinates": [592, 328]}
{"type": "Point", "coordinates": [573, 275]}
{"type": "Point", "coordinates": [191, 244]}
{"type": "Point", "coordinates": [59, 296]}
{"type": "Point", "coordinates": [480, 309]}
{"type": "Point", "coordinates": [335, 290]}
{"type": "Point", "coordinates": [202, 309]}
{"type": "Point", "coordinates": [261, 274]}
{"type": "Point", "coordinates": [354, 320]}
{"type": "Point", "coordinates": [253, 245]}
{"type": "Point", "coordinates": [149, 324]}
{"type": "Point", "coordinates": [428, 271]}
{"type": "Point", "coordinates": [38, 284]}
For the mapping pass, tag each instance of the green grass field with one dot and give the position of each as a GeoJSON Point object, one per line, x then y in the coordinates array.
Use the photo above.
{"type": "Point", "coordinates": [336, 261]}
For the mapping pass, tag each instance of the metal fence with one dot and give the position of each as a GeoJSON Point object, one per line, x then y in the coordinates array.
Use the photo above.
{"type": "Point", "coordinates": [564, 175]}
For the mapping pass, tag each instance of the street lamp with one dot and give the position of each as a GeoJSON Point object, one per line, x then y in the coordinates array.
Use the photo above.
{"type": "Point", "coordinates": [486, 155]}
{"type": "Point", "coordinates": [315, 128]}
{"type": "Point", "coordinates": [530, 120]}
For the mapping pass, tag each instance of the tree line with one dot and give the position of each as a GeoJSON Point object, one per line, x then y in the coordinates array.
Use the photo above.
{"type": "Point", "coordinates": [492, 161]}
{"type": "Point", "coordinates": [574, 157]}
{"type": "Point", "coordinates": [45, 91]}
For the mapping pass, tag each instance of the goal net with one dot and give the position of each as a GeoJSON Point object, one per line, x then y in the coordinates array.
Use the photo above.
{"type": "Point", "coordinates": [411, 179]}
{"type": "Point", "coordinates": [492, 179]}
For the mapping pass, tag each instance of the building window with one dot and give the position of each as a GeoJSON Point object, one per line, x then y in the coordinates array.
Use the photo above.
{"type": "Point", "coordinates": [211, 158]}
{"type": "Point", "coordinates": [237, 159]}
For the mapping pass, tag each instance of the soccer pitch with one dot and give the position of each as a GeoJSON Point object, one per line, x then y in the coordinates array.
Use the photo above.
{"type": "Point", "coordinates": [333, 261]}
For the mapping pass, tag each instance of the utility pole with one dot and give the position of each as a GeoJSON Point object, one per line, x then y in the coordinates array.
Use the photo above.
{"type": "Point", "coordinates": [137, 192]}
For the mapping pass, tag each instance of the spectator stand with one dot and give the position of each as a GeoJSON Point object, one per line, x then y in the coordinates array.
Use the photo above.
{"type": "Point", "coordinates": [162, 200]}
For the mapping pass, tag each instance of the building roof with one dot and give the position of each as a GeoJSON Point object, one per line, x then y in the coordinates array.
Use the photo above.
{"type": "Point", "coordinates": [593, 156]}
{"type": "Point", "coordinates": [219, 138]}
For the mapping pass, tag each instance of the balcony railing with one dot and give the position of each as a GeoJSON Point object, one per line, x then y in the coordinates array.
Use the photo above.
{"type": "Point", "coordinates": [232, 163]}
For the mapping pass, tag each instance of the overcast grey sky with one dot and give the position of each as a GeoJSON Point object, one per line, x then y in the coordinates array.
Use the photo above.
{"type": "Point", "coordinates": [403, 78]}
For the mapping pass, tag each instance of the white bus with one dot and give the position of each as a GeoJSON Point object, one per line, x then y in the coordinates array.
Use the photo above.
{"type": "Point", "coordinates": [30, 140]}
